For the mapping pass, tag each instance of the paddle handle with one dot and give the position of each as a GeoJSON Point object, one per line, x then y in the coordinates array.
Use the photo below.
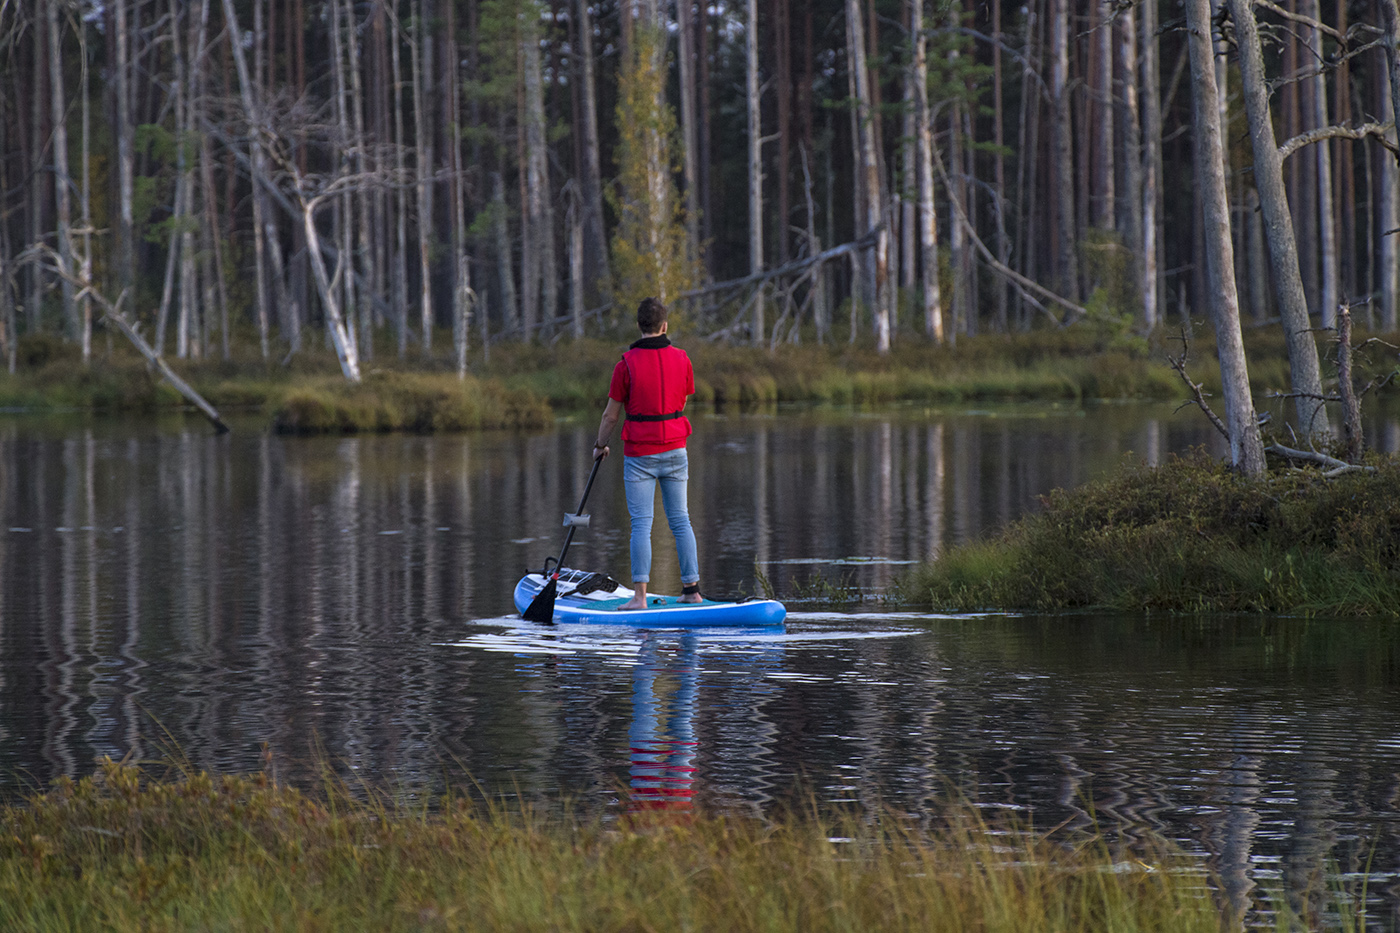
{"type": "Point", "coordinates": [569, 537]}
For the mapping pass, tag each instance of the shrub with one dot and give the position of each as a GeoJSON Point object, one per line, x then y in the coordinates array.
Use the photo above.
{"type": "Point", "coordinates": [1189, 535]}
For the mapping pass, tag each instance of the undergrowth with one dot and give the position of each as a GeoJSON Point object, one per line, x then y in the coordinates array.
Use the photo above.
{"type": "Point", "coordinates": [1188, 535]}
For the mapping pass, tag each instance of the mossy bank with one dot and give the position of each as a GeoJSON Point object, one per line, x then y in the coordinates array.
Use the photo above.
{"type": "Point", "coordinates": [1188, 535]}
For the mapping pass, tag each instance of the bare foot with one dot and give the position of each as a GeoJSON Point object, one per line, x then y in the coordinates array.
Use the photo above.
{"type": "Point", "coordinates": [692, 598]}
{"type": "Point", "coordinates": [636, 602]}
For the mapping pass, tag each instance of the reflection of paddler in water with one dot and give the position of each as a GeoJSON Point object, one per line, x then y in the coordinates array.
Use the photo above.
{"type": "Point", "coordinates": [662, 736]}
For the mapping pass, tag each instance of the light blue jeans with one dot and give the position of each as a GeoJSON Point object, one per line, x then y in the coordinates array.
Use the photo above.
{"type": "Point", "coordinates": [640, 476]}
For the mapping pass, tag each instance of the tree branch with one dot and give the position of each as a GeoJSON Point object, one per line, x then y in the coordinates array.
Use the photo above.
{"type": "Point", "coordinates": [1334, 466]}
{"type": "Point", "coordinates": [1004, 270]}
{"type": "Point", "coordinates": [1197, 392]}
{"type": "Point", "coordinates": [111, 311]}
{"type": "Point", "coordinates": [1339, 132]}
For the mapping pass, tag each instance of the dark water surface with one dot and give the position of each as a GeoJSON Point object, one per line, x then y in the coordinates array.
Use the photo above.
{"type": "Point", "coordinates": [161, 585]}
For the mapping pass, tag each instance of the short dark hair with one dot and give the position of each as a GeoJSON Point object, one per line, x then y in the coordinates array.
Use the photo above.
{"type": "Point", "coordinates": [651, 314]}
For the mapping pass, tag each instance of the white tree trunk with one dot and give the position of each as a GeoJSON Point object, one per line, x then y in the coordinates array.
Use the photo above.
{"type": "Point", "coordinates": [1278, 225]}
{"type": "Point", "coordinates": [870, 170]}
{"type": "Point", "coordinates": [1388, 255]}
{"type": "Point", "coordinates": [422, 62]}
{"type": "Point", "coordinates": [928, 217]}
{"type": "Point", "coordinates": [540, 210]}
{"type": "Point", "coordinates": [85, 197]}
{"type": "Point", "coordinates": [1246, 448]}
{"type": "Point", "coordinates": [1062, 152]}
{"type": "Point", "coordinates": [1322, 153]}
{"type": "Point", "coordinates": [755, 129]}
{"type": "Point", "coordinates": [398, 278]}
{"type": "Point", "coordinates": [58, 105]}
{"type": "Point", "coordinates": [341, 338]}
{"type": "Point", "coordinates": [1151, 168]}
{"type": "Point", "coordinates": [126, 149]}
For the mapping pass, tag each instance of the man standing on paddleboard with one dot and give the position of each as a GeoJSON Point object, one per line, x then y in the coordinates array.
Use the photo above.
{"type": "Point", "coordinates": [650, 385]}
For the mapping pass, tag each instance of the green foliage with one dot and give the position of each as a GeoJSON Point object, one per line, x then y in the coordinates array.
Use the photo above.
{"type": "Point", "coordinates": [649, 244]}
{"type": "Point", "coordinates": [122, 850]}
{"type": "Point", "coordinates": [1190, 536]}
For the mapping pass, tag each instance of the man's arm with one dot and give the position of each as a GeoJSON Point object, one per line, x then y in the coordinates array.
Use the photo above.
{"type": "Point", "coordinates": [611, 415]}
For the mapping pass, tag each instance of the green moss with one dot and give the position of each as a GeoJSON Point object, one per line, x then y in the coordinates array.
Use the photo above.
{"type": "Point", "coordinates": [1186, 536]}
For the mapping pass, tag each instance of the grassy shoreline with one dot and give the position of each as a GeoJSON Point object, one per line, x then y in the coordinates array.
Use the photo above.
{"type": "Point", "coordinates": [1188, 536]}
{"type": "Point", "coordinates": [122, 850]}
{"type": "Point", "coordinates": [526, 385]}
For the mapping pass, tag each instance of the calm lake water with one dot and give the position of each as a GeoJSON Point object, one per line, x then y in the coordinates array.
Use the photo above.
{"type": "Point", "coordinates": [160, 585]}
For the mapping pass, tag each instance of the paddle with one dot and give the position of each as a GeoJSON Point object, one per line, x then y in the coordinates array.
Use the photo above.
{"type": "Point", "coordinates": [541, 608]}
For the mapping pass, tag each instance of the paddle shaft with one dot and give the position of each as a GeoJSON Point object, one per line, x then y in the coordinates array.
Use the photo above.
{"type": "Point", "coordinates": [569, 537]}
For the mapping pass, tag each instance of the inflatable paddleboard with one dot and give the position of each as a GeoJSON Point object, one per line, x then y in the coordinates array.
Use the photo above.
{"type": "Point", "coordinates": [594, 597]}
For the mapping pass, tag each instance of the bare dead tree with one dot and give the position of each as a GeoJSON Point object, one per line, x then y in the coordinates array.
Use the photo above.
{"type": "Point", "coordinates": [43, 254]}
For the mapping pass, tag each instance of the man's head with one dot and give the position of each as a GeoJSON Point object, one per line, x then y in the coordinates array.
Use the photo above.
{"type": "Point", "coordinates": [651, 316]}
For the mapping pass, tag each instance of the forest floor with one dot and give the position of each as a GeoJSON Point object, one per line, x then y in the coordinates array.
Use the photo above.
{"type": "Point", "coordinates": [1189, 536]}
{"type": "Point", "coordinates": [525, 385]}
{"type": "Point", "coordinates": [126, 849]}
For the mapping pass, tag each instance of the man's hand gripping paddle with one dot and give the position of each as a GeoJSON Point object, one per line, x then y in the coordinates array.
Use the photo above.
{"type": "Point", "coordinates": [541, 608]}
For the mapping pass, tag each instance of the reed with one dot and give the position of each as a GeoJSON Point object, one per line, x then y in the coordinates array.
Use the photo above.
{"type": "Point", "coordinates": [122, 850]}
{"type": "Point", "coordinates": [1188, 536]}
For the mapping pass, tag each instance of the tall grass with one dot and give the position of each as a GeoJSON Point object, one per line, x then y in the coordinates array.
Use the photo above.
{"type": "Point", "coordinates": [121, 851]}
{"type": "Point", "coordinates": [1189, 536]}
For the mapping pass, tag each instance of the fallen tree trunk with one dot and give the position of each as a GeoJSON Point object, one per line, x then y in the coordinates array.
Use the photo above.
{"type": "Point", "coordinates": [111, 311]}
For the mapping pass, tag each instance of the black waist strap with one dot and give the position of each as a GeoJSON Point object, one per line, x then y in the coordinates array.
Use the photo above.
{"type": "Point", "coordinates": [669, 416]}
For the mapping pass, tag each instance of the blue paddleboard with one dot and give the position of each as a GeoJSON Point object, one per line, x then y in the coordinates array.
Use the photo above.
{"type": "Point", "coordinates": [593, 597]}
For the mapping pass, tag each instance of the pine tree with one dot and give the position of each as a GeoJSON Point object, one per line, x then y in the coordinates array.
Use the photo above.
{"type": "Point", "coordinates": [649, 244]}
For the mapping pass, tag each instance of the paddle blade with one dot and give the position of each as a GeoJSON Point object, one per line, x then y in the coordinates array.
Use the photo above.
{"type": "Point", "coordinates": [541, 608]}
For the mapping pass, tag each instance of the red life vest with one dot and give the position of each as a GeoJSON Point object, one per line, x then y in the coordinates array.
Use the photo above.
{"type": "Point", "coordinates": [652, 382]}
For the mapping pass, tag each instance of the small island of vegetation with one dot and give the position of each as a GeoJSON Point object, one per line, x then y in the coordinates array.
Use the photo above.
{"type": "Point", "coordinates": [1190, 535]}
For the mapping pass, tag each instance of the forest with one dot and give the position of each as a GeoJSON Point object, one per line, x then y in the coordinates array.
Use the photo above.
{"type": "Point", "coordinates": [417, 178]}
